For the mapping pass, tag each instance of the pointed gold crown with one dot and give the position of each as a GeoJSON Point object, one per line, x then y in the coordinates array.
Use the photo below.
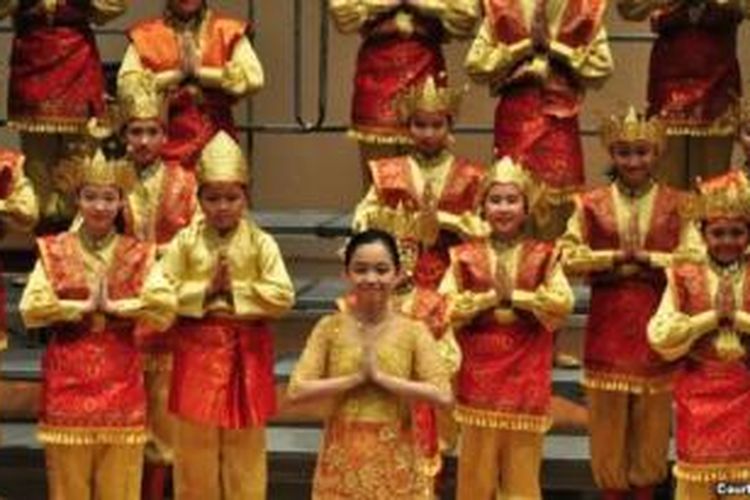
{"type": "Point", "coordinates": [86, 166]}
{"type": "Point", "coordinates": [139, 99]}
{"type": "Point", "coordinates": [632, 127]}
{"type": "Point", "coordinates": [222, 161]}
{"type": "Point", "coordinates": [428, 96]}
{"type": "Point", "coordinates": [508, 171]}
{"type": "Point", "coordinates": [727, 195]}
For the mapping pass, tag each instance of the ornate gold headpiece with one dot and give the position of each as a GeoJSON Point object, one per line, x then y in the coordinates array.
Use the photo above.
{"type": "Point", "coordinates": [727, 195]}
{"type": "Point", "coordinates": [222, 161]}
{"type": "Point", "coordinates": [139, 99]}
{"type": "Point", "coordinates": [632, 127]}
{"type": "Point", "coordinates": [91, 167]}
{"type": "Point", "coordinates": [508, 171]}
{"type": "Point", "coordinates": [428, 96]}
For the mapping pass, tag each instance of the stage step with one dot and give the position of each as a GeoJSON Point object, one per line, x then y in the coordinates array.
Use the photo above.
{"type": "Point", "coordinates": [292, 452]}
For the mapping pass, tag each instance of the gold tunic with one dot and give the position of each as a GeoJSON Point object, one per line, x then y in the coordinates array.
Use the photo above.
{"type": "Point", "coordinates": [368, 450]}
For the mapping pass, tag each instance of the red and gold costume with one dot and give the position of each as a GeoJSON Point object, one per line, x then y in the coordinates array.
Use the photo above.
{"type": "Point", "coordinates": [694, 78]}
{"type": "Point", "coordinates": [504, 384]}
{"type": "Point", "coordinates": [628, 384]}
{"type": "Point", "coordinates": [93, 409]}
{"type": "Point", "coordinates": [541, 92]}
{"type": "Point", "coordinates": [201, 105]}
{"type": "Point", "coordinates": [56, 81]}
{"type": "Point", "coordinates": [712, 385]}
{"type": "Point", "coordinates": [222, 390]}
{"type": "Point", "coordinates": [369, 448]}
{"type": "Point", "coordinates": [401, 47]}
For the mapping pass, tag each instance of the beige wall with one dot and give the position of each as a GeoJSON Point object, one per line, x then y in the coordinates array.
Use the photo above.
{"type": "Point", "coordinates": [321, 170]}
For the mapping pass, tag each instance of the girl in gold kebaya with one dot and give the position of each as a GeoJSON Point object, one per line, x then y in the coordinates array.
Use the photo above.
{"type": "Point", "coordinates": [371, 361]}
{"type": "Point", "coordinates": [621, 237]}
{"type": "Point", "coordinates": [88, 287]}
{"type": "Point", "coordinates": [703, 320]}
{"type": "Point", "coordinates": [507, 295]}
{"type": "Point", "coordinates": [229, 280]}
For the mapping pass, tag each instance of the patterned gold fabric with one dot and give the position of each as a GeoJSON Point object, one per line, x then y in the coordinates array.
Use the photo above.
{"type": "Point", "coordinates": [368, 450]}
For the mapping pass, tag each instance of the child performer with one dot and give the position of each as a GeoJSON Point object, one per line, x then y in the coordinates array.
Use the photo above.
{"type": "Point", "coordinates": [694, 77]}
{"type": "Point", "coordinates": [87, 286]}
{"type": "Point", "coordinates": [507, 294]}
{"type": "Point", "coordinates": [704, 320]}
{"type": "Point", "coordinates": [162, 201]}
{"type": "Point", "coordinates": [372, 360]}
{"type": "Point", "coordinates": [229, 280]}
{"type": "Point", "coordinates": [401, 47]}
{"type": "Point", "coordinates": [539, 57]}
{"type": "Point", "coordinates": [56, 85]}
{"type": "Point", "coordinates": [203, 61]}
{"type": "Point", "coordinates": [621, 237]}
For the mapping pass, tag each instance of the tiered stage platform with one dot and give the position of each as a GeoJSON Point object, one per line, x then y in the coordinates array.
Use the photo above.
{"type": "Point", "coordinates": [309, 241]}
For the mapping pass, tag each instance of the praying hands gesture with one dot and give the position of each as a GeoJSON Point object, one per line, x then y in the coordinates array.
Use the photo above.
{"type": "Point", "coordinates": [503, 285]}
{"type": "Point", "coordinates": [98, 300]}
{"type": "Point", "coordinates": [189, 52]}
{"type": "Point", "coordinates": [221, 281]}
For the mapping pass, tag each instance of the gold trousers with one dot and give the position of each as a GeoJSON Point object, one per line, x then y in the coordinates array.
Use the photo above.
{"type": "Point", "coordinates": [94, 472]}
{"type": "Point", "coordinates": [685, 158]}
{"type": "Point", "coordinates": [688, 490]}
{"type": "Point", "coordinates": [219, 464]}
{"type": "Point", "coordinates": [499, 464]}
{"type": "Point", "coordinates": [161, 423]}
{"type": "Point", "coordinates": [629, 438]}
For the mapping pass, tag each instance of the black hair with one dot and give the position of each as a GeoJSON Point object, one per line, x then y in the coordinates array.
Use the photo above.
{"type": "Point", "coordinates": [372, 236]}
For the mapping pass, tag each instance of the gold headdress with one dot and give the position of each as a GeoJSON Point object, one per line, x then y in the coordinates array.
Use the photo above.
{"type": "Point", "coordinates": [139, 99]}
{"type": "Point", "coordinates": [222, 161]}
{"type": "Point", "coordinates": [427, 96]}
{"type": "Point", "coordinates": [508, 171]}
{"type": "Point", "coordinates": [727, 195]}
{"type": "Point", "coordinates": [632, 127]}
{"type": "Point", "coordinates": [87, 166]}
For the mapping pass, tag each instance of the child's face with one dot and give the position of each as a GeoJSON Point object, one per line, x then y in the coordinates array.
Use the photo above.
{"type": "Point", "coordinates": [743, 137]}
{"type": "Point", "coordinates": [505, 210]}
{"type": "Point", "coordinates": [372, 272]}
{"type": "Point", "coordinates": [99, 206]}
{"type": "Point", "coordinates": [145, 139]}
{"type": "Point", "coordinates": [223, 204]}
{"type": "Point", "coordinates": [634, 162]}
{"type": "Point", "coordinates": [726, 238]}
{"type": "Point", "coordinates": [429, 131]}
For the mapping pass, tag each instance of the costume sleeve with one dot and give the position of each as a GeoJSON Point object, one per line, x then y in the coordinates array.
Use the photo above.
{"type": "Point", "coordinates": [20, 209]}
{"type": "Point", "coordinates": [468, 224]}
{"type": "Point", "coordinates": [104, 11]}
{"type": "Point", "coordinates": [428, 365]}
{"type": "Point", "coordinates": [671, 332]}
{"type": "Point", "coordinates": [242, 75]}
{"type": "Point", "coordinates": [577, 256]}
{"type": "Point", "coordinates": [312, 362]}
{"type": "Point", "coordinates": [272, 293]}
{"type": "Point", "coordinates": [132, 68]}
{"type": "Point", "coordinates": [592, 63]}
{"type": "Point", "coordinates": [159, 299]}
{"type": "Point", "coordinates": [40, 306]}
{"type": "Point", "coordinates": [190, 293]}
{"type": "Point", "coordinates": [463, 305]}
{"type": "Point", "coordinates": [350, 15]}
{"type": "Point", "coordinates": [490, 61]}
{"type": "Point", "coordinates": [458, 16]}
{"type": "Point", "coordinates": [551, 303]}
{"type": "Point", "coordinates": [366, 211]}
